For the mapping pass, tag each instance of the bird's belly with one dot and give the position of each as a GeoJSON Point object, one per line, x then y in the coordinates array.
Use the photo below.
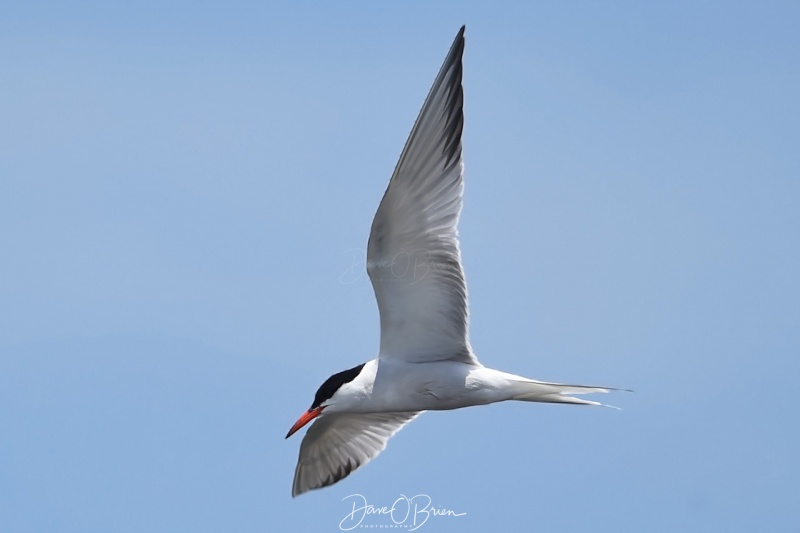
{"type": "Point", "coordinates": [434, 386]}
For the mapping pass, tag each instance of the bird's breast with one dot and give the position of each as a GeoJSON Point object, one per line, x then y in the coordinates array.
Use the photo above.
{"type": "Point", "coordinates": [433, 386]}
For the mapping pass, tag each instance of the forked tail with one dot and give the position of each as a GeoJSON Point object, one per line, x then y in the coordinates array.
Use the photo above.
{"type": "Point", "coordinates": [542, 391]}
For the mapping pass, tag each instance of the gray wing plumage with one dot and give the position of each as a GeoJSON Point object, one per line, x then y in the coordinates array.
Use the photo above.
{"type": "Point", "coordinates": [337, 444]}
{"type": "Point", "coordinates": [413, 256]}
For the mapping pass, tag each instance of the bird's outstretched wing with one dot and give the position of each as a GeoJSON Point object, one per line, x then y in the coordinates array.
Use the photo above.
{"type": "Point", "coordinates": [338, 443]}
{"type": "Point", "coordinates": [413, 257]}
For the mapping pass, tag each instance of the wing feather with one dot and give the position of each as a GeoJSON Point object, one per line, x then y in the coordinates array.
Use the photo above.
{"type": "Point", "coordinates": [336, 444]}
{"type": "Point", "coordinates": [413, 255]}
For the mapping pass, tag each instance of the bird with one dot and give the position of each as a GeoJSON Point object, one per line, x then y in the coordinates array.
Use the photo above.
{"type": "Point", "coordinates": [425, 361]}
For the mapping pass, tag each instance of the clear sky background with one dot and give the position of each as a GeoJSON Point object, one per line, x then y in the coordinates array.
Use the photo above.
{"type": "Point", "coordinates": [185, 198]}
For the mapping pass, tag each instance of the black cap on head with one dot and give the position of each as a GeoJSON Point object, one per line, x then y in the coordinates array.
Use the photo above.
{"type": "Point", "coordinates": [333, 383]}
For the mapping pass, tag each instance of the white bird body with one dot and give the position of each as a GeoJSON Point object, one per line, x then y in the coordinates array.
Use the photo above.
{"type": "Point", "coordinates": [391, 385]}
{"type": "Point", "coordinates": [425, 361]}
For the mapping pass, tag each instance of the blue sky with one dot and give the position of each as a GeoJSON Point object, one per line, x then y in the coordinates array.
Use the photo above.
{"type": "Point", "coordinates": [184, 190]}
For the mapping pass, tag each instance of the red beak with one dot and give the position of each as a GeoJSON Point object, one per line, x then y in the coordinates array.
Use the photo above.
{"type": "Point", "coordinates": [306, 417]}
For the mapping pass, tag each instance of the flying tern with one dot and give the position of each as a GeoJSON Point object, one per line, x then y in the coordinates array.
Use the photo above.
{"type": "Point", "coordinates": [425, 360]}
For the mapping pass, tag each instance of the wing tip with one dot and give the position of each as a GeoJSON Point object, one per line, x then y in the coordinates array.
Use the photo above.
{"type": "Point", "coordinates": [460, 34]}
{"type": "Point", "coordinates": [458, 43]}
